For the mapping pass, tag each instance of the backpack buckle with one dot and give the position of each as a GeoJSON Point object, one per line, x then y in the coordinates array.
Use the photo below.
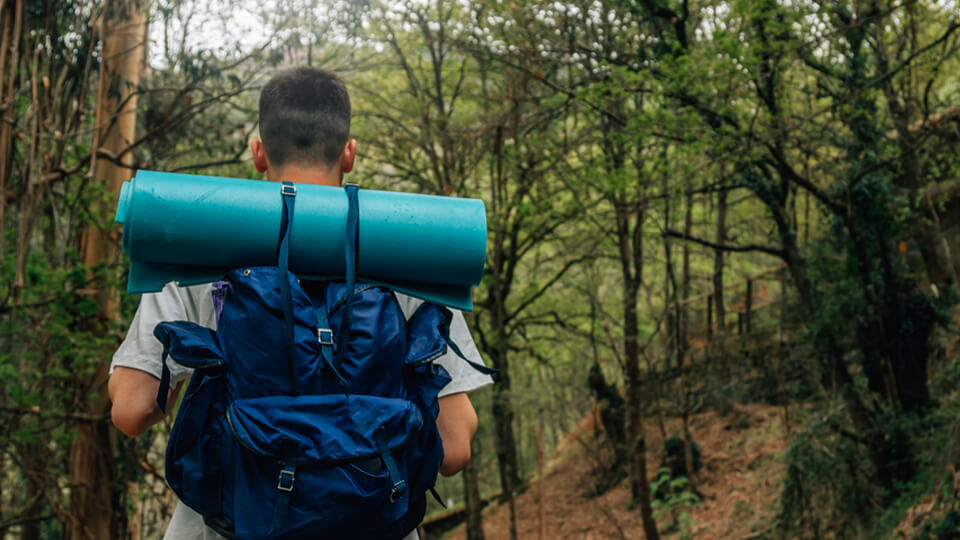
{"type": "Point", "coordinates": [325, 336]}
{"type": "Point", "coordinates": [289, 190]}
{"type": "Point", "coordinates": [288, 486]}
{"type": "Point", "coordinates": [397, 492]}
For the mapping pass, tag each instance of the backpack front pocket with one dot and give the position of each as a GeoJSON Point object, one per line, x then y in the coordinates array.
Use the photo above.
{"type": "Point", "coordinates": [319, 466]}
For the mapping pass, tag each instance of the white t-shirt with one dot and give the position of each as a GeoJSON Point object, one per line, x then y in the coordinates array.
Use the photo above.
{"type": "Point", "coordinates": [142, 350]}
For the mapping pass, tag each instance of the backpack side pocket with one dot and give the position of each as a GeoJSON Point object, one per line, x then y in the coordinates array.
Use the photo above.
{"type": "Point", "coordinates": [193, 465]}
{"type": "Point", "coordinates": [193, 462]}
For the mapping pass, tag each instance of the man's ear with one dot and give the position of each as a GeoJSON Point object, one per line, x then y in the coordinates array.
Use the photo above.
{"type": "Point", "coordinates": [348, 155]}
{"type": "Point", "coordinates": [259, 156]}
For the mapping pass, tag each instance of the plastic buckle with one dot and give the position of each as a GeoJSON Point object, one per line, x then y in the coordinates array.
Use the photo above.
{"type": "Point", "coordinates": [289, 190]}
{"type": "Point", "coordinates": [325, 336]}
{"type": "Point", "coordinates": [354, 184]}
{"type": "Point", "coordinates": [398, 490]}
{"type": "Point", "coordinates": [280, 485]}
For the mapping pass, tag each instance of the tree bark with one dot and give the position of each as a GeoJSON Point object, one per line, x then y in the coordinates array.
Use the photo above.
{"type": "Point", "coordinates": [630, 247]}
{"type": "Point", "coordinates": [502, 408]}
{"type": "Point", "coordinates": [471, 495]}
{"type": "Point", "coordinates": [721, 239]}
{"type": "Point", "coordinates": [93, 498]}
{"type": "Point", "coordinates": [12, 25]}
{"type": "Point", "coordinates": [639, 488]}
{"type": "Point", "coordinates": [684, 314]}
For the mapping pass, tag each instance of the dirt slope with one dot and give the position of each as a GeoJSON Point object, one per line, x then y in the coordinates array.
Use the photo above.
{"type": "Point", "coordinates": [741, 479]}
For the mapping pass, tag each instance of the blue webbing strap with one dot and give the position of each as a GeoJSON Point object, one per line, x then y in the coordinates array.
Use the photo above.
{"type": "Point", "coordinates": [288, 192]}
{"type": "Point", "coordinates": [399, 484]}
{"type": "Point", "coordinates": [288, 451]}
{"type": "Point", "coordinates": [285, 488]}
{"type": "Point", "coordinates": [164, 390]}
{"type": "Point", "coordinates": [325, 337]}
{"type": "Point", "coordinates": [350, 246]}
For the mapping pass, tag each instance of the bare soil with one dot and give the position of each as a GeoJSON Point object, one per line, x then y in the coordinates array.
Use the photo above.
{"type": "Point", "coordinates": [740, 481]}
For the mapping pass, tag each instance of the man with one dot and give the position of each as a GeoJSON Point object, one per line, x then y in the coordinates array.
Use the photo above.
{"type": "Point", "coordinates": [305, 138]}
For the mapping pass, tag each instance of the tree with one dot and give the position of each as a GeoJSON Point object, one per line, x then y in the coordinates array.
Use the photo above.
{"type": "Point", "coordinates": [71, 92]}
{"type": "Point", "coordinates": [843, 153]}
{"type": "Point", "coordinates": [123, 29]}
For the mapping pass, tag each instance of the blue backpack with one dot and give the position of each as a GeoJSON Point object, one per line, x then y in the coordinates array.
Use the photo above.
{"type": "Point", "coordinates": [312, 409]}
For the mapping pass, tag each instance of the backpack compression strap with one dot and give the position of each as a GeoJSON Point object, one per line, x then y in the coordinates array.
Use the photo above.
{"type": "Point", "coordinates": [325, 337]}
{"type": "Point", "coordinates": [288, 193]}
{"type": "Point", "coordinates": [350, 247]}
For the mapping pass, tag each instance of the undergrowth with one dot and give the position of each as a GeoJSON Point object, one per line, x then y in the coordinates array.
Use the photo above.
{"type": "Point", "coordinates": [831, 490]}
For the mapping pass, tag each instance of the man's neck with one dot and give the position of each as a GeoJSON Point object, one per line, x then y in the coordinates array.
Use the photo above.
{"type": "Point", "coordinates": [306, 175]}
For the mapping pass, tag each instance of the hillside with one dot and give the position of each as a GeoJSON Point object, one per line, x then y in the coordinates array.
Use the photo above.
{"type": "Point", "coordinates": [740, 481]}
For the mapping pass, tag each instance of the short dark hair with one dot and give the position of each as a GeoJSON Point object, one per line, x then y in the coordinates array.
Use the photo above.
{"type": "Point", "coordinates": [304, 117]}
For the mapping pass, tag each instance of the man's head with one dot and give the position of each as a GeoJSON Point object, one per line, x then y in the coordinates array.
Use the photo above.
{"type": "Point", "coordinates": [304, 127]}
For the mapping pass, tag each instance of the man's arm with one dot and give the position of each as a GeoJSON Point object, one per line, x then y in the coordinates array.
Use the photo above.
{"type": "Point", "coordinates": [457, 423]}
{"type": "Point", "coordinates": [133, 393]}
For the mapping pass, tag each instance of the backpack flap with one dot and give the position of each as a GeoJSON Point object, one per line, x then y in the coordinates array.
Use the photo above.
{"type": "Point", "coordinates": [291, 448]}
{"type": "Point", "coordinates": [428, 336]}
{"type": "Point", "coordinates": [427, 340]}
{"type": "Point", "coordinates": [190, 345]}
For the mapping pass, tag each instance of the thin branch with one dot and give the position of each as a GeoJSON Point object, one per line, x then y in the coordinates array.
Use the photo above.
{"type": "Point", "coordinates": [36, 411]}
{"type": "Point", "coordinates": [24, 519]}
{"type": "Point", "coordinates": [726, 247]}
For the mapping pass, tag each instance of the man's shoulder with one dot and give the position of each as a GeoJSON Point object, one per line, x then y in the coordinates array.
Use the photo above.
{"type": "Point", "coordinates": [175, 302]}
{"type": "Point", "coordinates": [172, 291]}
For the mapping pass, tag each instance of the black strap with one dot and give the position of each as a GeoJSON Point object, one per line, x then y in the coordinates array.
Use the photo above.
{"type": "Point", "coordinates": [445, 332]}
{"type": "Point", "coordinates": [288, 192]}
{"type": "Point", "coordinates": [436, 497]}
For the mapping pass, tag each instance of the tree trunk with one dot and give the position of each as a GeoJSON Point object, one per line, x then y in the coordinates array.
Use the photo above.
{"type": "Point", "coordinates": [506, 445]}
{"type": "Point", "coordinates": [639, 488]}
{"type": "Point", "coordinates": [630, 246]}
{"type": "Point", "coordinates": [721, 239]}
{"type": "Point", "coordinates": [505, 441]}
{"type": "Point", "coordinates": [34, 493]}
{"type": "Point", "coordinates": [684, 314]}
{"type": "Point", "coordinates": [471, 494]}
{"type": "Point", "coordinates": [11, 18]}
{"type": "Point", "coordinates": [93, 498]}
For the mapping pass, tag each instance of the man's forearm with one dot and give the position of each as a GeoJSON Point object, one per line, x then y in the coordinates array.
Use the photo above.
{"type": "Point", "coordinates": [134, 400]}
{"type": "Point", "coordinates": [457, 423]}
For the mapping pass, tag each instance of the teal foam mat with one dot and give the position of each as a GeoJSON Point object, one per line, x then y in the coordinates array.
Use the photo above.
{"type": "Point", "coordinates": [192, 229]}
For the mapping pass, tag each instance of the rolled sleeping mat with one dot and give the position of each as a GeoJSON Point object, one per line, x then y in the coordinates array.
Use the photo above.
{"type": "Point", "coordinates": [193, 229]}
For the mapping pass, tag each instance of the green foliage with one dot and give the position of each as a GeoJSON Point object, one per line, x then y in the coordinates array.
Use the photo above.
{"type": "Point", "coordinates": [674, 504]}
{"type": "Point", "coordinates": [578, 125]}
